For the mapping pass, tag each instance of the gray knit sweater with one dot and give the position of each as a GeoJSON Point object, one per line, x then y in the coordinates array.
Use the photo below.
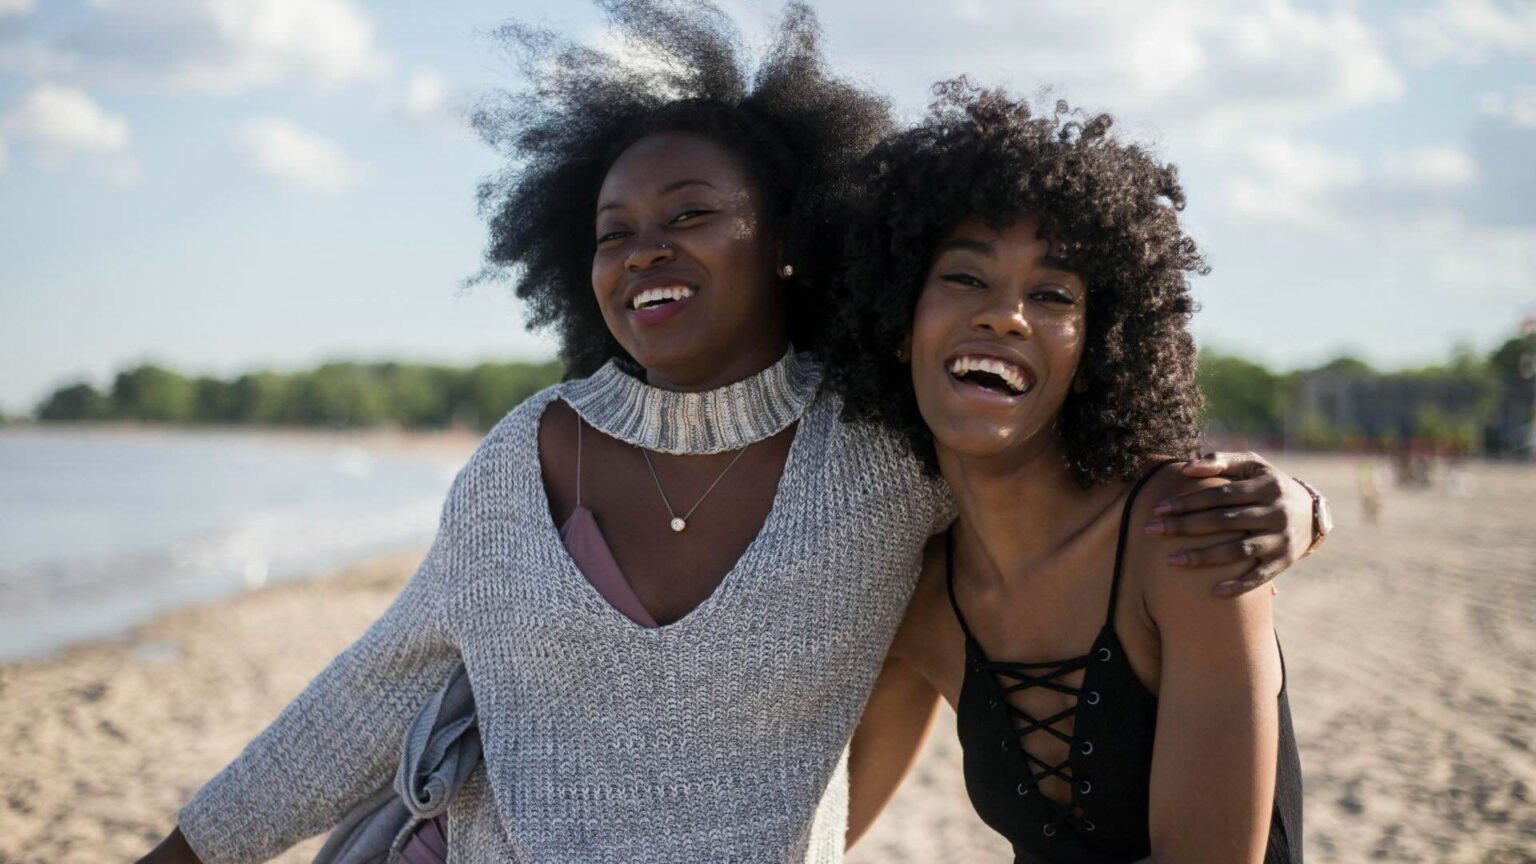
{"type": "Point", "coordinates": [720, 737]}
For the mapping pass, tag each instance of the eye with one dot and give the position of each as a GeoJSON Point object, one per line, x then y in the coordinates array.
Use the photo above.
{"type": "Point", "coordinates": [1053, 294]}
{"type": "Point", "coordinates": [965, 279]}
{"type": "Point", "coordinates": [690, 214]}
{"type": "Point", "coordinates": [609, 236]}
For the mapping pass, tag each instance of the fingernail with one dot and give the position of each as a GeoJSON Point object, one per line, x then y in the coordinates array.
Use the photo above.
{"type": "Point", "coordinates": [1225, 589]}
{"type": "Point", "coordinates": [1162, 507]}
{"type": "Point", "coordinates": [1178, 558]}
{"type": "Point", "coordinates": [1155, 526]}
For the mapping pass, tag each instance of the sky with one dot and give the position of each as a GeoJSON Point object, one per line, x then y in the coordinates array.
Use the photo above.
{"type": "Point", "coordinates": [226, 185]}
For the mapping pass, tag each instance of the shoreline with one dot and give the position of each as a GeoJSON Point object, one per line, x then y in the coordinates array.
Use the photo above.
{"type": "Point", "coordinates": [103, 742]}
{"type": "Point", "coordinates": [450, 441]}
{"type": "Point", "coordinates": [382, 571]}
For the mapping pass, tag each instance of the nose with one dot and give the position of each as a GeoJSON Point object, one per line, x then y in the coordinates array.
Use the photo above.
{"type": "Point", "coordinates": [647, 255]}
{"type": "Point", "coordinates": [1003, 315]}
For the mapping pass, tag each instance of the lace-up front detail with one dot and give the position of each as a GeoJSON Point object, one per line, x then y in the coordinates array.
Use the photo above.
{"type": "Point", "coordinates": [1107, 732]}
{"type": "Point", "coordinates": [1026, 676]}
{"type": "Point", "coordinates": [1009, 679]}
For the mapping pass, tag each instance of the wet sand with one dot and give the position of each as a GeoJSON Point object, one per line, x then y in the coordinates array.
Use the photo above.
{"type": "Point", "coordinates": [1410, 645]}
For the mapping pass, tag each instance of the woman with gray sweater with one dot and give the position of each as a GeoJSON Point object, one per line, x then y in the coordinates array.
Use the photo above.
{"type": "Point", "coordinates": [672, 578]}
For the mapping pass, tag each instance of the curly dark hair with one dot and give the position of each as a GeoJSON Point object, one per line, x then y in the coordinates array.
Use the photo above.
{"type": "Point", "coordinates": [980, 154]}
{"type": "Point", "coordinates": [797, 131]}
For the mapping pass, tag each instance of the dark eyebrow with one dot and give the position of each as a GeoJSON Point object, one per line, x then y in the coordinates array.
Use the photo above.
{"type": "Point", "coordinates": [967, 244]}
{"type": "Point", "coordinates": [669, 188]}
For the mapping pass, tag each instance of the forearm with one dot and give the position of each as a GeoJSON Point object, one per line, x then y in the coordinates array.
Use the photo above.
{"type": "Point", "coordinates": [1213, 776]}
{"type": "Point", "coordinates": [887, 742]}
{"type": "Point", "coordinates": [336, 743]}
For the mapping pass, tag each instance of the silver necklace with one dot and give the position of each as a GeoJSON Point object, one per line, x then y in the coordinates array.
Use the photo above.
{"type": "Point", "coordinates": [678, 523]}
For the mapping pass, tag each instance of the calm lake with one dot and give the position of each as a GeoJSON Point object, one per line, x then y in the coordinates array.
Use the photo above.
{"type": "Point", "coordinates": [101, 530]}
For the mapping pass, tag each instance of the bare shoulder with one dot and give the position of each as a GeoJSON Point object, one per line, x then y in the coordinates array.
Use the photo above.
{"type": "Point", "coordinates": [557, 431]}
{"type": "Point", "coordinates": [1148, 555]}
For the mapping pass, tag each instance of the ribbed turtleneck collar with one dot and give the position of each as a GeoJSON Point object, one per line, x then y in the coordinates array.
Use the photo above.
{"type": "Point", "coordinates": [712, 421]}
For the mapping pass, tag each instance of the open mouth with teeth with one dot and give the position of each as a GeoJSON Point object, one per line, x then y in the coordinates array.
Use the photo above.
{"type": "Point", "coordinates": [991, 373]}
{"type": "Point", "coordinates": [652, 298]}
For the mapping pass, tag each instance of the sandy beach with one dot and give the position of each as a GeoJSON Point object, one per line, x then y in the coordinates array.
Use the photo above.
{"type": "Point", "coordinates": [1410, 647]}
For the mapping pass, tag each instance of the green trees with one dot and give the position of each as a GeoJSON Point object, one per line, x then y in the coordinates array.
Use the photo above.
{"type": "Point", "coordinates": [335, 394]}
{"type": "Point", "coordinates": [1472, 402]}
{"type": "Point", "coordinates": [1469, 403]}
{"type": "Point", "coordinates": [74, 403]}
{"type": "Point", "coordinates": [153, 394]}
{"type": "Point", "coordinates": [1241, 397]}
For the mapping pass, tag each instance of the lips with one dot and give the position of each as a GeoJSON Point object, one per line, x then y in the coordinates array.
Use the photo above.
{"type": "Point", "coordinates": [992, 373]}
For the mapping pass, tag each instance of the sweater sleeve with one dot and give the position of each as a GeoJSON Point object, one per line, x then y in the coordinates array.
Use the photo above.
{"type": "Point", "coordinates": [339, 740]}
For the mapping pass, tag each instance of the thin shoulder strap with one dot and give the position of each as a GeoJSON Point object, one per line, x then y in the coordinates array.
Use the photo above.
{"type": "Point", "coordinates": [1125, 527]}
{"type": "Point", "coordinates": [949, 580]}
{"type": "Point", "coordinates": [578, 460]}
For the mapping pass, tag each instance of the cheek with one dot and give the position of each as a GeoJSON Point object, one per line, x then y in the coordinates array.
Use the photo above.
{"type": "Point", "coordinates": [1067, 337]}
{"type": "Point", "coordinates": [605, 270]}
{"type": "Point", "coordinates": [930, 321]}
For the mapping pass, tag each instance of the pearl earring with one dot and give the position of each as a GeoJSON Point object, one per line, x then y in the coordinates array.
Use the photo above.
{"type": "Point", "coordinates": [787, 271]}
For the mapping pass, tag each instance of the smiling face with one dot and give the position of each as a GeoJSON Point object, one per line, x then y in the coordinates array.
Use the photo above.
{"type": "Point", "coordinates": [684, 268]}
{"type": "Point", "coordinates": [997, 336]}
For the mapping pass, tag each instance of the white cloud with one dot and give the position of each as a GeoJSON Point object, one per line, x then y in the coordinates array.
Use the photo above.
{"type": "Point", "coordinates": [425, 99]}
{"type": "Point", "coordinates": [426, 91]}
{"type": "Point", "coordinates": [64, 119]}
{"type": "Point", "coordinates": [295, 157]}
{"type": "Point", "coordinates": [216, 46]}
{"type": "Point", "coordinates": [4, 156]}
{"type": "Point", "coordinates": [1493, 263]}
{"type": "Point", "coordinates": [64, 127]}
{"type": "Point", "coordinates": [1469, 31]}
{"type": "Point", "coordinates": [1428, 168]}
{"type": "Point", "coordinates": [1518, 109]}
{"type": "Point", "coordinates": [1282, 179]}
{"type": "Point", "coordinates": [1189, 67]}
{"type": "Point", "coordinates": [1286, 180]}
{"type": "Point", "coordinates": [17, 7]}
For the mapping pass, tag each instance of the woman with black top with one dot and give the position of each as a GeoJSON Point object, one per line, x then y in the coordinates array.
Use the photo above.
{"type": "Point", "coordinates": [1016, 303]}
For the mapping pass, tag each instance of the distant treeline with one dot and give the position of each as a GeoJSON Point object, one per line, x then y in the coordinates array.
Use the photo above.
{"type": "Point", "coordinates": [1473, 402]}
{"type": "Point", "coordinates": [1340, 403]}
{"type": "Point", "coordinates": [335, 394]}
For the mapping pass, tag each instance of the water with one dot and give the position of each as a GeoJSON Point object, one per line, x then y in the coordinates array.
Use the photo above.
{"type": "Point", "coordinates": [100, 531]}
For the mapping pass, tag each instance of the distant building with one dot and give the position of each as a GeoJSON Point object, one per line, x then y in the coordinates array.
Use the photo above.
{"type": "Point", "coordinates": [1513, 430]}
{"type": "Point", "coordinates": [1328, 409]}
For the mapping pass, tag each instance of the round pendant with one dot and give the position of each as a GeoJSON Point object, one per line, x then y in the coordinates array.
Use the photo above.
{"type": "Point", "coordinates": [678, 524]}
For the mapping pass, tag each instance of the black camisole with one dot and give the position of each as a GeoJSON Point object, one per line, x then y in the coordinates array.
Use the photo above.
{"type": "Point", "coordinates": [1109, 731]}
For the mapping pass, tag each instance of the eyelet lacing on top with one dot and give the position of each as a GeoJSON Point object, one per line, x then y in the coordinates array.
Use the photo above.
{"type": "Point", "coordinates": [1045, 675]}
{"type": "Point", "coordinates": [1024, 676]}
